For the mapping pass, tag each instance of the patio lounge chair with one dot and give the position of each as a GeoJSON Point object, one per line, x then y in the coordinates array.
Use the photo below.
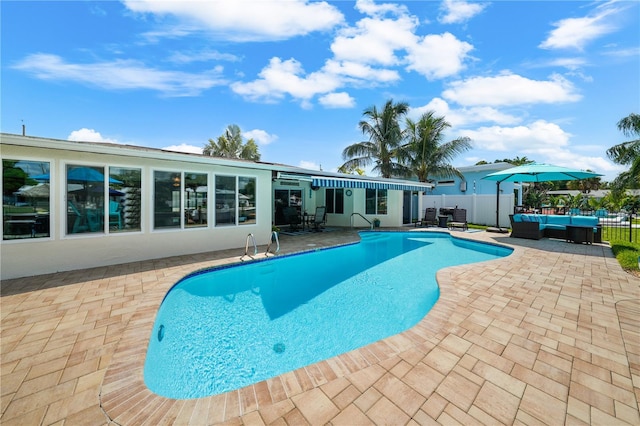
{"type": "Point", "coordinates": [430, 217]}
{"type": "Point", "coordinates": [319, 218]}
{"type": "Point", "coordinates": [459, 219]}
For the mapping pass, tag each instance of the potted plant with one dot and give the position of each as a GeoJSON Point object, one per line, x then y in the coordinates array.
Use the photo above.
{"type": "Point", "coordinates": [376, 223]}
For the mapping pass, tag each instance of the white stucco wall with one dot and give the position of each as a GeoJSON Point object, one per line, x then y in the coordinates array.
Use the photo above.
{"type": "Point", "coordinates": [62, 252]}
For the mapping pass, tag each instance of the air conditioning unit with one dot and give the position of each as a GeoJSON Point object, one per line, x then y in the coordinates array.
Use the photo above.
{"type": "Point", "coordinates": [463, 186]}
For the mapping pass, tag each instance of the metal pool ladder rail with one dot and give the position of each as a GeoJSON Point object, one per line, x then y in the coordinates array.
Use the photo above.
{"type": "Point", "coordinates": [252, 239]}
{"type": "Point", "coordinates": [367, 220]}
{"type": "Point", "coordinates": [272, 238]}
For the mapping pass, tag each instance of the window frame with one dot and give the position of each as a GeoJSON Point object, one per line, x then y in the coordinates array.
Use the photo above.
{"type": "Point", "coordinates": [52, 200]}
{"type": "Point", "coordinates": [334, 203]}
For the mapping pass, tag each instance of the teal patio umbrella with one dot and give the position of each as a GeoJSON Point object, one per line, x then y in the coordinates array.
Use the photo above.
{"type": "Point", "coordinates": [534, 172]}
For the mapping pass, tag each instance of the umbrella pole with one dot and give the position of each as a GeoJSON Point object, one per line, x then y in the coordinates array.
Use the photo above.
{"type": "Point", "coordinates": [498, 204]}
{"type": "Point", "coordinates": [497, 227]}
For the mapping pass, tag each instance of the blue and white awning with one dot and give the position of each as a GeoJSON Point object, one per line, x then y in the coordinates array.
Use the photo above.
{"type": "Point", "coordinates": [326, 182]}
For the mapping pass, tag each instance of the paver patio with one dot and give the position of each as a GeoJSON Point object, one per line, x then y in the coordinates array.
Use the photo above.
{"type": "Point", "coordinates": [548, 335]}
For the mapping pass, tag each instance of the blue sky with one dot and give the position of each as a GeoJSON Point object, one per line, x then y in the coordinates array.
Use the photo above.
{"type": "Point", "coordinates": [547, 80]}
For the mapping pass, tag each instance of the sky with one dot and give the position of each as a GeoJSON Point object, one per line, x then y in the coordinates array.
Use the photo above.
{"type": "Point", "coordinates": [545, 80]}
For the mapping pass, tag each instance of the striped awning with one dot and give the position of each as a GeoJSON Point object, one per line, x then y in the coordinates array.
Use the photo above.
{"type": "Point", "coordinates": [326, 182]}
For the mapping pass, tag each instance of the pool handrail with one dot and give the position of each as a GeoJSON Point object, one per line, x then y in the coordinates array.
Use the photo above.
{"type": "Point", "coordinates": [366, 220]}
{"type": "Point", "coordinates": [273, 237]}
{"type": "Point", "coordinates": [251, 238]}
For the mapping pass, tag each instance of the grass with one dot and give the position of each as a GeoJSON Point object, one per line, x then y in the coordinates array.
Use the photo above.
{"type": "Point", "coordinates": [627, 253]}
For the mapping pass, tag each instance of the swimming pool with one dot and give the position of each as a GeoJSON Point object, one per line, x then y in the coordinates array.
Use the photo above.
{"type": "Point", "coordinates": [223, 329]}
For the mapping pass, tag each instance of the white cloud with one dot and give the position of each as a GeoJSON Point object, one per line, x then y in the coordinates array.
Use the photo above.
{"type": "Point", "coordinates": [458, 11]}
{"type": "Point", "coordinates": [89, 135]}
{"type": "Point", "coordinates": [511, 89]}
{"type": "Point", "coordinates": [377, 9]}
{"type": "Point", "coordinates": [539, 137]}
{"type": "Point", "coordinates": [359, 74]}
{"type": "Point", "coordinates": [375, 41]}
{"type": "Point", "coordinates": [575, 33]}
{"type": "Point", "coordinates": [261, 137]}
{"type": "Point", "coordinates": [183, 147]}
{"type": "Point", "coordinates": [247, 20]}
{"type": "Point", "coordinates": [337, 100]}
{"type": "Point", "coordinates": [280, 78]}
{"type": "Point", "coordinates": [438, 55]}
{"type": "Point", "coordinates": [120, 75]}
{"type": "Point", "coordinates": [459, 117]}
{"type": "Point", "coordinates": [187, 57]}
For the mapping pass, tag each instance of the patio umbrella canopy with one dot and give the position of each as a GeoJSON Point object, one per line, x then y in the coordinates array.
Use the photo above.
{"type": "Point", "coordinates": [534, 172]}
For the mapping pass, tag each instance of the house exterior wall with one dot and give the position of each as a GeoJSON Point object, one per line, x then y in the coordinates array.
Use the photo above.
{"type": "Point", "coordinates": [474, 182]}
{"type": "Point", "coordinates": [62, 251]}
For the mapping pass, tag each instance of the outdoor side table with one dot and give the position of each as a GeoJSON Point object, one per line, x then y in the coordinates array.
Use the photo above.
{"type": "Point", "coordinates": [442, 221]}
{"type": "Point", "coordinates": [580, 234]}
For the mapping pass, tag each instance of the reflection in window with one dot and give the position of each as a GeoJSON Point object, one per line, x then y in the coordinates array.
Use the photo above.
{"type": "Point", "coordinates": [85, 199]}
{"type": "Point", "coordinates": [25, 199]}
{"type": "Point", "coordinates": [166, 200]}
{"type": "Point", "coordinates": [376, 201]}
{"type": "Point", "coordinates": [288, 206]}
{"type": "Point", "coordinates": [195, 199]}
{"type": "Point", "coordinates": [225, 200]}
{"type": "Point", "coordinates": [247, 200]}
{"type": "Point", "coordinates": [124, 199]}
{"type": "Point", "coordinates": [335, 200]}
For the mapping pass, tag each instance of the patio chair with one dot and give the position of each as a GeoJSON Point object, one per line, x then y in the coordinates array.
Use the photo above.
{"type": "Point", "coordinates": [430, 217]}
{"type": "Point", "coordinates": [319, 218]}
{"type": "Point", "coordinates": [115, 215]}
{"type": "Point", "coordinates": [459, 219]}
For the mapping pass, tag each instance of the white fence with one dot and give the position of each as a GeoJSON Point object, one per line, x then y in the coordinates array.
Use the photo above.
{"type": "Point", "coordinates": [481, 209]}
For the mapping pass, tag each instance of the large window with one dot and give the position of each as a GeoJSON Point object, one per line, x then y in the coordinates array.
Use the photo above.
{"type": "Point", "coordinates": [125, 199]}
{"type": "Point", "coordinates": [376, 201]}
{"type": "Point", "coordinates": [225, 200]}
{"type": "Point", "coordinates": [335, 200]}
{"type": "Point", "coordinates": [195, 199]}
{"type": "Point", "coordinates": [85, 199]}
{"type": "Point", "coordinates": [166, 200]}
{"type": "Point", "coordinates": [25, 199]}
{"type": "Point", "coordinates": [247, 200]}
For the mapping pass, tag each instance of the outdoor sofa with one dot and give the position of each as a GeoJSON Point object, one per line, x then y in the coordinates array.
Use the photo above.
{"type": "Point", "coordinates": [536, 226]}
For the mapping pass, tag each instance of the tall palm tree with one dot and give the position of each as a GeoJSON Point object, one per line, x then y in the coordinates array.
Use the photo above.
{"type": "Point", "coordinates": [385, 144]}
{"type": "Point", "coordinates": [628, 153]}
{"type": "Point", "coordinates": [428, 155]}
{"type": "Point", "coordinates": [230, 145]}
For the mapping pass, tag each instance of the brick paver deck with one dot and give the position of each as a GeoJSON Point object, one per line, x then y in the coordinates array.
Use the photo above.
{"type": "Point", "coordinates": [548, 335]}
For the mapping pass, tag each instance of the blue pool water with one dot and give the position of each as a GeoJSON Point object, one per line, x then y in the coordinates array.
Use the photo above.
{"type": "Point", "coordinates": [227, 328]}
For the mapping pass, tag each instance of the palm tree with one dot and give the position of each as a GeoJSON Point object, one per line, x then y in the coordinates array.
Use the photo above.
{"type": "Point", "coordinates": [628, 153]}
{"type": "Point", "coordinates": [585, 185]}
{"type": "Point", "coordinates": [230, 145]}
{"type": "Point", "coordinates": [428, 155]}
{"type": "Point", "coordinates": [384, 147]}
